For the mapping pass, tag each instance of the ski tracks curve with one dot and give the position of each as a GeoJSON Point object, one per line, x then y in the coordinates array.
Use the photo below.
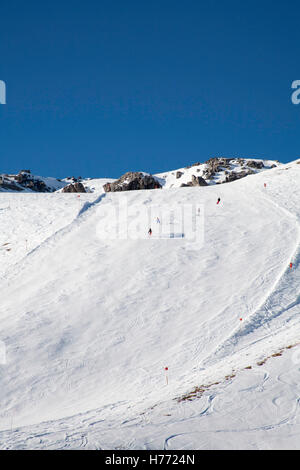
{"type": "Point", "coordinates": [265, 312]}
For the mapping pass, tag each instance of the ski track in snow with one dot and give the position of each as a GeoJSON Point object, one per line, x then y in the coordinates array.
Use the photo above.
{"type": "Point", "coordinates": [52, 239]}
{"type": "Point", "coordinates": [275, 303]}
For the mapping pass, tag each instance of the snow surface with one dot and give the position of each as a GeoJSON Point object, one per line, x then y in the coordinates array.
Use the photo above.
{"type": "Point", "coordinates": [90, 319]}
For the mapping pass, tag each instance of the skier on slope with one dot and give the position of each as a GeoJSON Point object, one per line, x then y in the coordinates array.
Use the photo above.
{"type": "Point", "coordinates": [157, 220]}
{"type": "Point", "coordinates": [218, 201]}
{"type": "Point", "coordinates": [150, 231]}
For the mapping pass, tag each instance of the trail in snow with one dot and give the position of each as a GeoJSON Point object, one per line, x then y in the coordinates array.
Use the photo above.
{"type": "Point", "coordinates": [277, 302]}
{"type": "Point", "coordinates": [47, 243]}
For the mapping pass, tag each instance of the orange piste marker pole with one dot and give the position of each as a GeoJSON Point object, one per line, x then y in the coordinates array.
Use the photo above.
{"type": "Point", "coordinates": [166, 369]}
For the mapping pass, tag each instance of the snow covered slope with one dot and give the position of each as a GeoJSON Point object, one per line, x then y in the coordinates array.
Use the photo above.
{"type": "Point", "coordinates": [215, 171]}
{"type": "Point", "coordinates": [90, 318]}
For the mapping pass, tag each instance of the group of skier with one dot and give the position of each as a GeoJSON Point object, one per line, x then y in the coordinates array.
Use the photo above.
{"type": "Point", "coordinates": [158, 220]}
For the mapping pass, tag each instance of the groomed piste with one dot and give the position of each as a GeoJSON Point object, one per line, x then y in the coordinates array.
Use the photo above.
{"type": "Point", "coordinates": [115, 338]}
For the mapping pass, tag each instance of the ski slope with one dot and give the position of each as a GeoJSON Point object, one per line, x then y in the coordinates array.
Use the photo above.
{"type": "Point", "coordinates": [90, 317]}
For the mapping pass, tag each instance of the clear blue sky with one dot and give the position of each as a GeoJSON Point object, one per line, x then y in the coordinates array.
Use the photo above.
{"type": "Point", "coordinates": [97, 88]}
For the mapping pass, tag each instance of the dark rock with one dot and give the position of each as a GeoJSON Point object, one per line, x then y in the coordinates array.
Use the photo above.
{"type": "Point", "coordinates": [254, 164]}
{"type": "Point", "coordinates": [198, 181]}
{"type": "Point", "coordinates": [132, 181]}
{"type": "Point", "coordinates": [179, 174]}
{"type": "Point", "coordinates": [74, 188]}
{"type": "Point", "coordinates": [9, 185]}
{"type": "Point", "coordinates": [233, 175]}
{"type": "Point", "coordinates": [214, 165]}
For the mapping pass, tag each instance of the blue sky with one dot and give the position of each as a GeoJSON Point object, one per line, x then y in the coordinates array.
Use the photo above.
{"type": "Point", "coordinates": [97, 88]}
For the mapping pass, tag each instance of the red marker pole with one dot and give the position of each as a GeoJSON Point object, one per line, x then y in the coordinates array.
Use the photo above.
{"type": "Point", "coordinates": [166, 370]}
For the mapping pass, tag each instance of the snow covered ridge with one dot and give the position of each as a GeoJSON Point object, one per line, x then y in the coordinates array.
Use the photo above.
{"type": "Point", "coordinates": [26, 182]}
{"type": "Point", "coordinates": [214, 171]}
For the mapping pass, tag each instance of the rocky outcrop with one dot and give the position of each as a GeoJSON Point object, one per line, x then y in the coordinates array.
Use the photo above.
{"type": "Point", "coordinates": [23, 177]}
{"type": "Point", "coordinates": [236, 175]}
{"type": "Point", "coordinates": [214, 165]}
{"type": "Point", "coordinates": [74, 188]}
{"type": "Point", "coordinates": [196, 181]}
{"type": "Point", "coordinates": [220, 164]}
{"type": "Point", "coordinates": [9, 185]}
{"type": "Point", "coordinates": [132, 181]}
{"type": "Point", "coordinates": [220, 170]}
{"type": "Point", "coordinates": [255, 164]}
{"type": "Point", "coordinates": [36, 185]}
{"type": "Point", "coordinates": [23, 180]}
